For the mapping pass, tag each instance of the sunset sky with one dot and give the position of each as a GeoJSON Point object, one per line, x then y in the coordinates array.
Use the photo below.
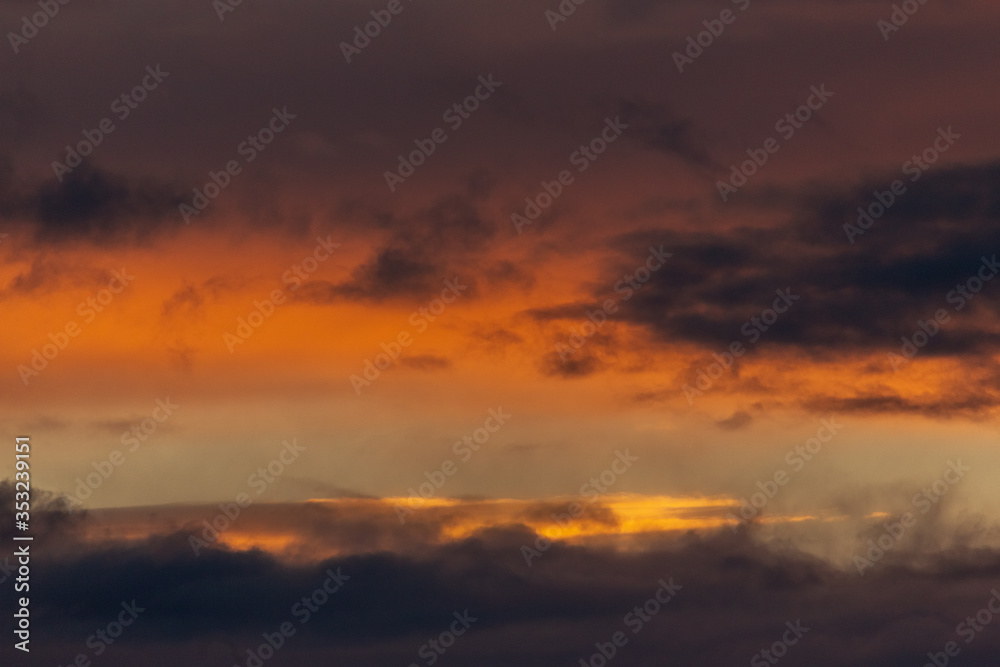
{"type": "Point", "coordinates": [415, 296]}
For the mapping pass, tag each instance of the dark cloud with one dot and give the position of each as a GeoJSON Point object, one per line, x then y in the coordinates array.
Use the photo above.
{"type": "Point", "coordinates": [392, 273]}
{"type": "Point", "coordinates": [95, 206]}
{"type": "Point", "coordinates": [962, 406]}
{"type": "Point", "coordinates": [506, 272]}
{"type": "Point", "coordinates": [188, 299]}
{"type": "Point", "coordinates": [661, 130]}
{"type": "Point", "coordinates": [554, 610]}
{"type": "Point", "coordinates": [859, 298]}
{"type": "Point", "coordinates": [842, 300]}
{"type": "Point", "coordinates": [579, 364]}
{"type": "Point", "coordinates": [434, 244]}
{"type": "Point", "coordinates": [46, 274]}
{"type": "Point", "coordinates": [426, 362]}
{"type": "Point", "coordinates": [55, 525]}
{"type": "Point", "coordinates": [735, 422]}
{"type": "Point", "coordinates": [958, 201]}
{"type": "Point", "coordinates": [498, 337]}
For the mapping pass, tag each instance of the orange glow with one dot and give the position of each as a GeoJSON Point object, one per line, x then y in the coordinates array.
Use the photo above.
{"type": "Point", "coordinates": [243, 541]}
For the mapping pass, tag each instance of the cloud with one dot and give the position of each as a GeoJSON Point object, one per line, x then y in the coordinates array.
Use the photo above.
{"type": "Point", "coordinates": [661, 130]}
{"type": "Point", "coordinates": [394, 272]}
{"type": "Point", "coordinates": [46, 274]}
{"type": "Point", "coordinates": [570, 597]}
{"type": "Point", "coordinates": [735, 422]}
{"type": "Point", "coordinates": [446, 238]}
{"type": "Point", "coordinates": [969, 405]}
{"type": "Point", "coordinates": [188, 299]}
{"type": "Point", "coordinates": [95, 206]}
{"type": "Point", "coordinates": [578, 364]}
{"type": "Point", "coordinates": [856, 299]}
{"type": "Point", "coordinates": [426, 362]}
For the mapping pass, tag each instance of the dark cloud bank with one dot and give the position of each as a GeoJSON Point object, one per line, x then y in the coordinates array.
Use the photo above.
{"type": "Point", "coordinates": [735, 598]}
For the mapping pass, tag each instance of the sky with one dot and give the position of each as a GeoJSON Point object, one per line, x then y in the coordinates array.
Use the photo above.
{"type": "Point", "coordinates": [510, 308]}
